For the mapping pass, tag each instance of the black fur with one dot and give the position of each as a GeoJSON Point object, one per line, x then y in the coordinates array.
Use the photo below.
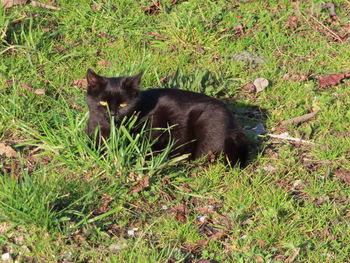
{"type": "Point", "coordinates": [202, 124]}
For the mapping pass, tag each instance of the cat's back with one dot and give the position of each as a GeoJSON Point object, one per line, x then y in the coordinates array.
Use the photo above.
{"type": "Point", "coordinates": [182, 98]}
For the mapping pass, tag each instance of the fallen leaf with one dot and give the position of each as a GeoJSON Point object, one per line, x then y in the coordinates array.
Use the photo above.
{"type": "Point", "coordinates": [200, 49]}
{"type": "Point", "coordinates": [104, 207]}
{"type": "Point", "coordinates": [239, 30]}
{"type": "Point", "coordinates": [260, 84]}
{"type": "Point", "coordinates": [340, 133]}
{"type": "Point", "coordinates": [293, 22]}
{"type": "Point", "coordinates": [10, 3]}
{"type": "Point", "coordinates": [81, 83]}
{"type": "Point", "coordinates": [27, 87]}
{"type": "Point", "coordinates": [294, 77]}
{"type": "Point", "coordinates": [156, 35]}
{"type": "Point", "coordinates": [181, 211]}
{"type": "Point", "coordinates": [164, 80]}
{"type": "Point", "coordinates": [249, 87]}
{"type": "Point", "coordinates": [38, 4]}
{"type": "Point", "coordinates": [218, 235]}
{"type": "Point", "coordinates": [154, 8]}
{"type": "Point", "coordinates": [4, 227]}
{"type": "Point", "coordinates": [279, 257]}
{"type": "Point", "coordinates": [141, 185]}
{"type": "Point", "coordinates": [293, 256]}
{"type": "Point", "coordinates": [104, 63]}
{"type": "Point", "coordinates": [343, 175]}
{"type": "Point", "coordinates": [100, 53]}
{"type": "Point", "coordinates": [7, 151]}
{"type": "Point", "coordinates": [196, 246]}
{"type": "Point", "coordinates": [259, 259]}
{"type": "Point", "coordinates": [39, 92]}
{"type": "Point", "coordinates": [96, 6]}
{"type": "Point", "coordinates": [261, 243]}
{"type": "Point", "coordinates": [333, 79]}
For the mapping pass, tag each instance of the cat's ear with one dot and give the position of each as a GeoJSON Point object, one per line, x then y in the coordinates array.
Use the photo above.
{"type": "Point", "coordinates": [95, 82]}
{"type": "Point", "coordinates": [133, 83]}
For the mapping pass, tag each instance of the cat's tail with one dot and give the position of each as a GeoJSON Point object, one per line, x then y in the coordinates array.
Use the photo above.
{"type": "Point", "coordinates": [237, 148]}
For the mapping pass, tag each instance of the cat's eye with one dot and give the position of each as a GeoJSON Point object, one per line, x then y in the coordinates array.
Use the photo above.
{"type": "Point", "coordinates": [103, 103]}
{"type": "Point", "coordinates": [123, 105]}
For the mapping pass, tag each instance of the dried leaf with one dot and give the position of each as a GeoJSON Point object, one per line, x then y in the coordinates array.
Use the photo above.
{"type": "Point", "coordinates": [157, 35]}
{"type": "Point", "coordinates": [10, 3]}
{"type": "Point", "coordinates": [38, 4]}
{"type": "Point", "coordinates": [39, 92]}
{"type": "Point", "coordinates": [343, 175]}
{"type": "Point", "coordinates": [154, 8]}
{"type": "Point", "coordinates": [96, 6]}
{"type": "Point", "coordinates": [104, 207]}
{"type": "Point", "coordinates": [81, 83]}
{"type": "Point", "coordinates": [259, 259]}
{"type": "Point", "coordinates": [340, 133]}
{"type": "Point", "coordinates": [181, 211]}
{"type": "Point", "coordinates": [293, 22]}
{"type": "Point", "coordinates": [293, 256]}
{"type": "Point", "coordinates": [260, 84]}
{"type": "Point", "coordinates": [333, 79]}
{"type": "Point", "coordinates": [249, 87]}
{"type": "Point", "coordinates": [239, 30]}
{"type": "Point", "coordinates": [141, 185]}
{"type": "Point", "coordinates": [295, 77]}
{"type": "Point", "coordinates": [104, 63]}
{"type": "Point", "coordinates": [7, 151]}
{"type": "Point", "coordinates": [218, 235]}
{"type": "Point", "coordinates": [27, 87]}
{"type": "Point", "coordinates": [261, 243]}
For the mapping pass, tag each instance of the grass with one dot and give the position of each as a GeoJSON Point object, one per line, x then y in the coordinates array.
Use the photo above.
{"type": "Point", "coordinates": [64, 201]}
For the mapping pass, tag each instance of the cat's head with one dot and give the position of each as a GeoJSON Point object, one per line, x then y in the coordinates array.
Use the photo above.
{"type": "Point", "coordinates": [119, 95]}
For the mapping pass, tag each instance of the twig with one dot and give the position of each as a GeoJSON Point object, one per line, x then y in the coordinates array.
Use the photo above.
{"type": "Point", "coordinates": [288, 138]}
{"type": "Point", "coordinates": [300, 119]}
{"type": "Point", "coordinates": [156, 35]}
{"type": "Point", "coordinates": [328, 29]}
{"type": "Point", "coordinates": [38, 4]}
{"type": "Point", "coordinates": [340, 133]}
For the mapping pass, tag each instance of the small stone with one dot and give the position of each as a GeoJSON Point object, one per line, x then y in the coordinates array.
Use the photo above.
{"type": "Point", "coordinates": [297, 183]}
{"type": "Point", "coordinates": [39, 92]}
{"type": "Point", "coordinates": [131, 232]}
{"type": "Point", "coordinates": [6, 257]}
{"type": "Point", "coordinates": [202, 218]}
{"type": "Point", "coordinates": [115, 247]}
{"type": "Point", "coordinates": [260, 84]}
{"type": "Point", "coordinates": [67, 255]}
{"type": "Point", "coordinates": [269, 168]}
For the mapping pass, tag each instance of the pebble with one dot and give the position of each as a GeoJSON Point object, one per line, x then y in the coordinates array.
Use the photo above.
{"type": "Point", "coordinates": [6, 257]}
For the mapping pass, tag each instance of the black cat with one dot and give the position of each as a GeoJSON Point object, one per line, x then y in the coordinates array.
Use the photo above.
{"type": "Point", "coordinates": [201, 124]}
